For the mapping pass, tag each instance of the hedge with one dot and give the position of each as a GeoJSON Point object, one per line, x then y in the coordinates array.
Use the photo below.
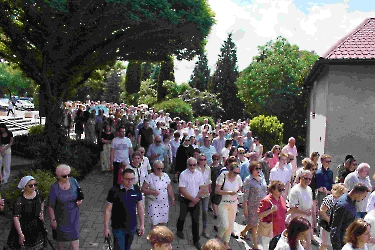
{"type": "Point", "coordinates": [269, 130]}
{"type": "Point", "coordinates": [176, 107]}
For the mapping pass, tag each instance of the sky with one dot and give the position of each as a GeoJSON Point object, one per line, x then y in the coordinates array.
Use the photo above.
{"type": "Point", "coordinates": [313, 25]}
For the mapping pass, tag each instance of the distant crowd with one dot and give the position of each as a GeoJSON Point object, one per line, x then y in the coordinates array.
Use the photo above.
{"type": "Point", "coordinates": [219, 168]}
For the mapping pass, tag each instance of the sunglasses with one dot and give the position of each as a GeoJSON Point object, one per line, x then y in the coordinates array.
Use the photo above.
{"type": "Point", "coordinates": [202, 159]}
{"type": "Point", "coordinates": [277, 148]}
{"type": "Point", "coordinates": [191, 165]}
{"type": "Point", "coordinates": [236, 173]}
{"type": "Point", "coordinates": [66, 176]}
{"type": "Point", "coordinates": [258, 169]}
{"type": "Point", "coordinates": [281, 189]}
{"type": "Point", "coordinates": [129, 179]}
{"type": "Point", "coordinates": [241, 153]}
{"type": "Point", "coordinates": [215, 159]}
{"type": "Point", "coordinates": [158, 141]}
{"type": "Point", "coordinates": [32, 185]}
{"type": "Point", "coordinates": [313, 168]}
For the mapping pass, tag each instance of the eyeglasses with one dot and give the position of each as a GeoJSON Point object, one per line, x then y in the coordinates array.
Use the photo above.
{"type": "Point", "coordinates": [277, 148]}
{"type": "Point", "coordinates": [313, 168]}
{"type": "Point", "coordinates": [215, 159]}
{"type": "Point", "coordinates": [191, 165]}
{"type": "Point", "coordinates": [241, 153]}
{"type": "Point", "coordinates": [236, 172]}
{"type": "Point", "coordinates": [141, 152]}
{"type": "Point", "coordinates": [32, 185]}
{"type": "Point", "coordinates": [307, 178]}
{"type": "Point", "coordinates": [158, 141]}
{"type": "Point", "coordinates": [327, 161]}
{"type": "Point", "coordinates": [160, 169]}
{"type": "Point", "coordinates": [291, 159]}
{"type": "Point", "coordinates": [187, 140]}
{"type": "Point", "coordinates": [281, 189]}
{"type": "Point", "coordinates": [202, 159]}
{"type": "Point", "coordinates": [66, 176]}
{"type": "Point", "coordinates": [129, 179]}
{"type": "Point", "coordinates": [258, 169]}
{"type": "Point", "coordinates": [354, 164]}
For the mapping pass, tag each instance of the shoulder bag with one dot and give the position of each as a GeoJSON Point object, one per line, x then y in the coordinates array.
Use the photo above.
{"type": "Point", "coordinates": [264, 228]}
{"type": "Point", "coordinates": [216, 199]}
{"type": "Point", "coordinates": [150, 197]}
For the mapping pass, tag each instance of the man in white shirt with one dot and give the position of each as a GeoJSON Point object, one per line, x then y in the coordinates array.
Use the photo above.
{"type": "Point", "coordinates": [300, 199]}
{"type": "Point", "coordinates": [282, 173]}
{"type": "Point", "coordinates": [191, 185]}
{"type": "Point", "coordinates": [205, 123]}
{"type": "Point", "coordinates": [121, 150]}
{"type": "Point", "coordinates": [219, 142]}
{"type": "Point", "coordinates": [360, 175]}
{"type": "Point", "coordinates": [206, 173]}
{"type": "Point", "coordinates": [291, 148]}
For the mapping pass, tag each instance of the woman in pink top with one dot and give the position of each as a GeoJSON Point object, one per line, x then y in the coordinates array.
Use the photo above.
{"type": "Point", "coordinates": [275, 159]}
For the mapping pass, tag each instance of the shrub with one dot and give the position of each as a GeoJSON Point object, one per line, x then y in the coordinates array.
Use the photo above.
{"type": "Point", "coordinates": [269, 130]}
{"type": "Point", "coordinates": [176, 107]}
{"type": "Point", "coordinates": [27, 145]}
{"type": "Point", "coordinates": [210, 120]}
{"type": "Point", "coordinates": [36, 130]}
{"type": "Point", "coordinates": [44, 179]}
{"type": "Point", "coordinates": [80, 155]}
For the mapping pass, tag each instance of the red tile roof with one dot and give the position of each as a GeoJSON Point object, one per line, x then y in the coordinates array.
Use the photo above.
{"type": "Point", "coordinates": [358, 44]}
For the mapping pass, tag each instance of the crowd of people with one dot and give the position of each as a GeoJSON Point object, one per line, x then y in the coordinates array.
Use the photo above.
{"type": "Point", "coordinates": [220, 168]}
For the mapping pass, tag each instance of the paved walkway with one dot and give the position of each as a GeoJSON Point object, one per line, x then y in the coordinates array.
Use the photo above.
{"type": "Point", "coordinates": [96, 186]}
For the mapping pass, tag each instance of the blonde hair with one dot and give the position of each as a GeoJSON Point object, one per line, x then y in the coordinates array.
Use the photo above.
{"type": "Point", "coordinates": [160, 235]}
{"type": "Point", "coordinates": [213, 244]}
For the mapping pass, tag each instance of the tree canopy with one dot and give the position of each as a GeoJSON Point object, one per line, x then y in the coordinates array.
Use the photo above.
{"type": "Point", "coordinates": [273, 84]}
{"type": "Point", "coordinates": [201, 75]}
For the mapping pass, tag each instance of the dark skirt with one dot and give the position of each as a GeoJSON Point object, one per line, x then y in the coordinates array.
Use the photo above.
{"type": "Point", "coordinates": [33, 229]}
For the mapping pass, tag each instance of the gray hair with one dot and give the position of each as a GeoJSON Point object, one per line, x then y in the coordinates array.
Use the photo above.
{"type": "Point", "coordinates": [158, 163]}
{"type": "Point", "coordinates": [60, 168]}
{"type": "Point", "coordinates": [363, 165]}
{"type": "Point", "coordinates": [304, 172]}
{"type": "Point", "coordinates": [191, 158]}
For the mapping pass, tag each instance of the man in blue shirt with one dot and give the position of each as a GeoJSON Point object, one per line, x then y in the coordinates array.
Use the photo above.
{"type": "Point", "coordinates": [344, 213]}
{"type": "Point", "coordinates": [324, 179]}
{"type": "Point", "coordinates": [123, 201]}
{"type": "Point", "coordinates": [207, 149]}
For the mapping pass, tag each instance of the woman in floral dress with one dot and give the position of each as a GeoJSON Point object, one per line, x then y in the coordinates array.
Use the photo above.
{"type": "Point", "coordinates": [255, 190]}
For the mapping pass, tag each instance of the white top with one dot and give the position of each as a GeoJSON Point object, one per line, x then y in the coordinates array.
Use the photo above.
{"type": "Point", "coordinates": [206, 173]}
{"type": "Point", "coordinates": [191, 181]}
{"type": "Point", "coordinates": [370, 218]}
{"type": "Point", "coordinates": [283, 174]}
{"type": "Point", "coordinates": [349, 246]}
{"type": "Point", "coordinates": [229, 186]}
{"type": "Point", "coordinates": [282, 244]}
{"type": "Point", "coordinates": [350, 181]}
{"type": "Point", "coordinates": [302, 197]}
{"type": "Point", "coordinates": [146, 163]}
{"type": "Point", "coordinates": [140, 174]}
{"type": "Point", "coordinates": [121, 149]}
{"type": "Point", "coordinates": [225, 152]}
{"type": "Point", "coordinates": [371, 202]}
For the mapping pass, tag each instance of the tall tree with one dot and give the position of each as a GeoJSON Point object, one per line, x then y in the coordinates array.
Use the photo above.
{"type": "Point", "coordinates": [146, 70]}
{"type": "Point", "coordinates": [12, 80]}
{"type": "Point", "coordinates": [59, 43]}
{"type": "Point", "coordinates": [273, 84]}
{"type": "Point", "coordinates": [133, 77]}
{"type": "Point", "coordinates": [166, 74]}
{"type": "Point", "coordinates": [224, 78]}
{"type": "Point", "coordinates": [112, 90]}
{"type": "Point", "coordinates": [201, 74]}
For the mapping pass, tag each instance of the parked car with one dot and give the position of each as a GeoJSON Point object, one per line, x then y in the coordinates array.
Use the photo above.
{"type": "Point", "coordinates": [24, 104]}
{"type": "Point", "coordinates": [4, 104]}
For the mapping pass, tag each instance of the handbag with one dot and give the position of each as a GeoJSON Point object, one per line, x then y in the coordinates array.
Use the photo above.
{"type": "Point", "coordinates": [216, 199]}
{"type": "Point", "coordinates": [107, 244]}
{"type": "Point", "coordinates": [150, 197]}
{"type": "Point", "coordinates": [324, 224]}
{"type": "Point", "coordinates": [266, 229]}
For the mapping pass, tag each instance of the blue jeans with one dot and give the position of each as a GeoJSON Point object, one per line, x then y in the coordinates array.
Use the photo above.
{"type": "Point", "coordinates": [204, 211]}
{"type": "Point", "coordinates": [123, 238]}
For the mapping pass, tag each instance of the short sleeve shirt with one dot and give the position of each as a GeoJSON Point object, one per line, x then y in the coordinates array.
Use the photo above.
{"type": "Point", "coordinates": [191, 181]}
{"type": "Point", "coordinates": [6, 140]}
{"type": "Point", "coordinates": [229, 185]}
{"type": "Point", "coordinates": [121, 147]}
{"type": "Point", "coordinates": [124, 204]}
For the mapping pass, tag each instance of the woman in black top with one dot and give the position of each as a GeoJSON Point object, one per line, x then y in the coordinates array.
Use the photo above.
{"type": "Point", "coordinates": [105, 146]}
{"type": "Point", "coordinates": [5, 151]}
{"type": "Point", "coordinates": [27, 228]}
{"type": "Point", "coordinates": [184, 151]}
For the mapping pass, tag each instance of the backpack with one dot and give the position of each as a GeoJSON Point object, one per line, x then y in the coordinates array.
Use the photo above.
{"type": "Point", "coordinates": [273, 242]}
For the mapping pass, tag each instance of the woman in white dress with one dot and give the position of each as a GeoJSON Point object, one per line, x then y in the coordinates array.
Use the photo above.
{"type": "Point", "coordinates": [295, 236]}
{"type": "Point", "coordinates": [158, 184]}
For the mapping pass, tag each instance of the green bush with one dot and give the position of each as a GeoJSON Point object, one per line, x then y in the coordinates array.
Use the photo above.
{"type": "Point", "coordinates": [27, 145]}
{"type": "Point", "coordinates": [176, 107]}
{"type": "Point", "coordinates": [44, 179]}
{"type": "Point", "coordinates": [36, 130]}
{"type": "Point", "coordinates": [210, 120]}
{"type": "Point", "coordinates": [269, 130]}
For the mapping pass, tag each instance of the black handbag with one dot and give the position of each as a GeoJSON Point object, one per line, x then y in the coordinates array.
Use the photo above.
{"type": "Point", "coordinates": [216, 199]}
{"type": "Point", "coordinates": [324, 224]}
